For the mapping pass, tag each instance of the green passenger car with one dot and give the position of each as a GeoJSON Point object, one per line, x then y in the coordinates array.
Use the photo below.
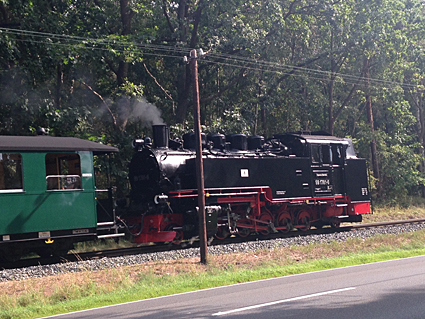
{"type": "Point", "coordinates": [47, 194]}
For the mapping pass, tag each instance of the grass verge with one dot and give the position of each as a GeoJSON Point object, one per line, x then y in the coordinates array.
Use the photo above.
{"type": "Point", "coordinates": [35, 298]}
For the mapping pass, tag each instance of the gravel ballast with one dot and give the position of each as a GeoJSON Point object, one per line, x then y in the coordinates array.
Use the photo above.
{"type": "Point", "coordinates": [251, 246]}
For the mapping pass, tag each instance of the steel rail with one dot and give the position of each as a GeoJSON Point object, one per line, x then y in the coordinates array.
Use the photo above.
{"type": "Point", "coordinates": [193, 243]}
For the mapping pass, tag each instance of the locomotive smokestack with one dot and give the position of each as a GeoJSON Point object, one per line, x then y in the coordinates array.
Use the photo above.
{"type": "Point", "coordinates": [161, 135]}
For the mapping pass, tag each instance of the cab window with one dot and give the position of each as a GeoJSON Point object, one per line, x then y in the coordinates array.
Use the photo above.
{"type": "Point", "coordinates": [337, 154]}
{"type": "Point", "coordinates": [315, 153]}
{"type": "Point", "coordinates": [326, 154]}
{"type": "Point", "coordinates": [11, 171]}
{"type": "Point", "coordinates": [63, 171]}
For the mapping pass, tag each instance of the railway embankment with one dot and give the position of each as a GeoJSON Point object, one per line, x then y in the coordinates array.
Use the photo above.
{"type": "Point", "coordinates": [252, 246]}
{"type": "Point", "coordinates": [36, 291]}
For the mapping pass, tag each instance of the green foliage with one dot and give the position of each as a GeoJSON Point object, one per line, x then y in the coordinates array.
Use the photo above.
{"type": "Point", "coordinates": [91, 81]}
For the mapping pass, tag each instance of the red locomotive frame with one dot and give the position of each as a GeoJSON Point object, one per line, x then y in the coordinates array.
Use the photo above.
{"type": "Point", "coordinates": [258, 212]}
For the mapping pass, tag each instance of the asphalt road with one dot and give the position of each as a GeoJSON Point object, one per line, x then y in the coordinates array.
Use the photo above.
{"type": "Point", "coordinates": [392, 289]}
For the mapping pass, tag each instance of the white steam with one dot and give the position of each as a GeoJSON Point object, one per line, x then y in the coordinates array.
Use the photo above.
{"type": "Point", "coordinates": [131, 110]}
{"type": "Point", "coordinates": [146, 112]}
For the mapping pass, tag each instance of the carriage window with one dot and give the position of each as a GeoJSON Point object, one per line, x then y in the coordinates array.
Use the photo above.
{"type": "Point", "coordinates": [10, 171]}
{"type": "Point", "coordinates": [63, 171]}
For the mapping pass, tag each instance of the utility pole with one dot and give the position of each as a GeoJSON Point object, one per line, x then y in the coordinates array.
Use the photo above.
{"type": "Point", "coordinates": [199, 162]}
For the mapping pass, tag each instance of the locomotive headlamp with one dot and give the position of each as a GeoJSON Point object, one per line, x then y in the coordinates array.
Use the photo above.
{"type": "Point", "coordinates": [160, 199]}
{"type": "Point", "coordinates": [138, 143]}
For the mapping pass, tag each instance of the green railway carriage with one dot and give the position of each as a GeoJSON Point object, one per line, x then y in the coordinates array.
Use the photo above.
{"type": "Point", "coordinates": [48, 195]}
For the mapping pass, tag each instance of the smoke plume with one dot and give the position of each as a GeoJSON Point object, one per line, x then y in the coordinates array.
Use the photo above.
{"type": "Point", "coordinates": [131, 110]}
{"type": "Point", "coordinates": [147, 112]}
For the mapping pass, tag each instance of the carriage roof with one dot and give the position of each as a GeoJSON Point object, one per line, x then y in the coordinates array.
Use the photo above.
{"type": "Point", "coordinates": [53, 144]}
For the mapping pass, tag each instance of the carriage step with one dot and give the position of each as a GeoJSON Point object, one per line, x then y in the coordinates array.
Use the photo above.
{"type": "Point", "coordinates": [111, 235]}
{"type": "Point", "coordinates": [105, 224]}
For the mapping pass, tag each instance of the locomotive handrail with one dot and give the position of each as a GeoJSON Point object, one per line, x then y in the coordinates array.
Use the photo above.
{"type": "Point", "coordinates": [63, 176]}
{"type": "Point", "coordinates": [63, 182]}
{"type": "Point", "coordinates": [12, 190]}
{"type": "Point", "coordinates": [221, 189]}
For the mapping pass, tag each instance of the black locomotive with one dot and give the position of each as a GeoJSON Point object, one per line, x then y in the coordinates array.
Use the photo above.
{"type": "Point", "coordinates": [50, 200]}
{"type": "Point", "coordinates": [290, 181]}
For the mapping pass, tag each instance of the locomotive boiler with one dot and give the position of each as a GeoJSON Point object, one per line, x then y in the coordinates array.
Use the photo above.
{"type": "Point", "coordinates": [291, 181]}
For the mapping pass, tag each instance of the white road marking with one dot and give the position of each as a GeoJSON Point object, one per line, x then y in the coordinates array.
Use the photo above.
{"type": "Point", "coordinates": [283, 301]}
{"type": "Point", "coordinates": [235, 285]}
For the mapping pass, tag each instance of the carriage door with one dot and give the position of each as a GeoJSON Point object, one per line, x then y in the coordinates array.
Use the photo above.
{"type": "Point", "coordinates": [321, 159]}
{"type": "Point", "coordinates": [337, 163]}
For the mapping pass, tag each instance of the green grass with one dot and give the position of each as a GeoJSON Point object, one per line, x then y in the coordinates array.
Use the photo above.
{"type": "Point", "coordinates": [148, 284]}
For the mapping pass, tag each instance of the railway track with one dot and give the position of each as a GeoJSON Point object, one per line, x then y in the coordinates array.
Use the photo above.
{"type": "Point", "coordinates": [73, 257]}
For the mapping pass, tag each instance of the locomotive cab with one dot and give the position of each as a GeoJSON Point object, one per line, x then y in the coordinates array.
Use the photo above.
{"type": "Point", "coordinates": [327, 162]}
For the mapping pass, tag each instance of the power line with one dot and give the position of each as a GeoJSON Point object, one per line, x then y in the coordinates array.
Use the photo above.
{"type": "Point", "coordinates": [292, 68]}
{"type": "Point", "coordinates": [73, 46]}
{"type": "Point", "coordinates": [98, 41]}
{"type": "Point", "coordinates": [77, 42]}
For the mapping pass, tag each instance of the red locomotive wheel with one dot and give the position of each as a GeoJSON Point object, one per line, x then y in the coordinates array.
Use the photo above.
{"type": "Point", "coordinates": [267, 217]}
{"type": "Point", "coordinates": [335, 223]}
{"type": "Point", "coordinates": [245, 231]}
{"type": "Point", "coordinates": [303, 220]}
{"type": "Point", "coordinates": [222, 232]}
{"type": "Point", "coordinates": [179, 234]}
{"type": "Point", "coordinates": [284, 219]}
{"type": "Point", "coordinates": [179, 237]}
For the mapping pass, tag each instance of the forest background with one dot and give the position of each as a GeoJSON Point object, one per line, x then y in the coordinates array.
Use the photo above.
{"type": "Point", "coordinates": [105, 70]}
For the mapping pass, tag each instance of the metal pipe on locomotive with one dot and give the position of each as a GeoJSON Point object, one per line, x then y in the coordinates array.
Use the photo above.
{"type": "Point", "coordinates": [290, 181]}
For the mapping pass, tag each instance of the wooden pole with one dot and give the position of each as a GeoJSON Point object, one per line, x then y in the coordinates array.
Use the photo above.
{"type": "Point", "coordinates": [199, 161]}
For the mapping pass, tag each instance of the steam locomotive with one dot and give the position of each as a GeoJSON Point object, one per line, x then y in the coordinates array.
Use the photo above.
{"type": "Point", "coordinates": [50, 201]}
{"type": "Point", "coordinates": [252, 185]}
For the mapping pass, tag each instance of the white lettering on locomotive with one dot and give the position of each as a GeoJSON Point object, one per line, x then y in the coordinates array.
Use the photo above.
{"type": "Point", "coordinates": [244, 172]}
{"type": "Point", "coordinates": [322, 182]}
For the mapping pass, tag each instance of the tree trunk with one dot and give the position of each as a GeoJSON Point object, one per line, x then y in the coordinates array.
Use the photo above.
{"type": "Point", "coordinates": [331, 91]}
{"type": "Point", "coordinates": [264, 119]}
{"type": "Point", "coordinates": [330, 106]}
{"type": "Point", "coordinates": [59, 83]}
{"type": "Point", "coordinates": [373, 149]}
{"type": "Point", "coordinates": [418, 101]}
{"type": "Point", "coordinates": [184, 79]}
{"type": "Point", "coordinates": [183, 87]}
{"type": "Point", "coordinates": [126, 16]}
